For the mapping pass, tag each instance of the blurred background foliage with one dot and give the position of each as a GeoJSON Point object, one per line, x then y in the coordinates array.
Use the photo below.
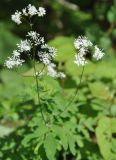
{"type": "Point", "coordinates": [96, 110]}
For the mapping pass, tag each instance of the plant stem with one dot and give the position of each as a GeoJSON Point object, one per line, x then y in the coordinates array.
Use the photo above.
{"type": "Point", "coordinates": [77, 90]}
{"type": "Point", "coordinates": [37, 86]}
{"type": "Point", "coordinates": [36, 77]}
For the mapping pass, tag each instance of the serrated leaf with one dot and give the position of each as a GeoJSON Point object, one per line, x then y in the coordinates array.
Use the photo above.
{"type": "Point", "coordinates": [41, 130]}
{"type": "Point", "coordinates": [38, 133]}
{"type": "Point", "coordinates": [79, 140]}
{"type": "Point", "coordinates": [50, 146]}
{"type": "Point", "coordinates": [60, 132]}
{"type": "Point", "coordinates": [71, 142]}
{"type": "Point", "coordinates": [27, 139]}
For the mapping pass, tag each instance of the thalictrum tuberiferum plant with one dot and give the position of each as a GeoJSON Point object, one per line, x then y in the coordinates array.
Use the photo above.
{"type": "Point", "coordinates": [38, 51]}
{"type": "Point", "coordinates": [55, 126]}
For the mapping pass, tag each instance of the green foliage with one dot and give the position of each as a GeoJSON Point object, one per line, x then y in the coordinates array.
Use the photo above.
{"type": "Point", "coordinates": [86, 129]}
{"type": "Point", "coordinates": [75, 132]}
{"type": "Point", "coordinates": [71, 132]}
{"type": "Point", "coordinates": [104, 132]}
{"type": "Point", "coordinates": [112, 14]}
{"type": "Point", "coordinates": [50, 146]}
{"type": "Point", "coordinates": [7, 42]}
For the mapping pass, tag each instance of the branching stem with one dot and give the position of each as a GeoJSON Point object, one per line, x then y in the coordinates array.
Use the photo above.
{"type": "Point", "coordinates": [77, 91]}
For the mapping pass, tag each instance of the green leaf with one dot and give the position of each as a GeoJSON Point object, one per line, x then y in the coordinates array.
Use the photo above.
{"type": "Point", "coordinates": [27, 139]}
{"type": "Point", "coordinates": [113, 125]}
{"type": "Point", "coordinates": [106, 127]}
{"type": "Point", "coordinates": [74, 70]}
{"type": "Point", "coordinates": [38, 134]}
{"type": "Point", "coordinates": [99, 90]}
{"type": "Point", "coordinates": [38, 146]}
{"type": "Point", "coordinates": [113, 110]}
{"type": "Point", "coordinates": [62, 134]}
{"type": "Point", "coordinates": [41, 130]}
{"type": "Point", "coordinates": [50, 146]}
{"type": "Point", "coordinates": [112, 14]}
{"type": "Point", "coordinates": [65, 48]}
{"type": "Point", "coordinates": [71, 142]}
{"type": "Point", "coordinates": [79, 141]}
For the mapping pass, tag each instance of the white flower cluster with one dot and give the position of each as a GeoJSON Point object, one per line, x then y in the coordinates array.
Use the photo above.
{"type": "Point", "coordinates": [43, 53]}
{"type": "Point", "coordinates": [83, 44]}
{"type": "Point", "coordinates": [14, 60]}
{"type": "Point", "coordinates": [53, 73]}
{"type": "Point", "coordinates": [24, 46]}
{"type": "Point", "coordinates": [16, 17]}
{"type": "Point", "coordinates": [46, 57]}
{"type": "Point", "coordinates": [98, 54]}
{"type": "Point", "coordinates": [35, 38]}
{"type": "Point", "coordinates": [30, 11]}
{"type": "Point", "coordinates": [46, 53]}
{"type": "Point", "coordinates": [41, 12]}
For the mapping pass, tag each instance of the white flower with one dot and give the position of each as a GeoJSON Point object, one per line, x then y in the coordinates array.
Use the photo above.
{"type": "Point", "coordinates": [61, 75]}
{"type": "Point", "coordinates": [36, 39]}
{"type": "Point", "coordinates": [52, 51]}
{"type": "Point", "coordinates": [44, 46]}
{"type": "Point", "coordinates": [24, 11]}
{"type": "Point", "coordinates": [83, 45]}
{"type": "Point", "coordinates": [82, 51]}
{"type": "Point", "coordinates": [42, 39]}
{"type": "Point", "coordinates": [14, 60]}
{"type": "Point", "coordinates": [16, 17]}
{"type": "Point", "coordinates": [51, 71]}
{"type": "Point", "coordinates": [16, 53]}
{"type": "Point", "coordinates": [24, 46]}
{"type": "Point", "coordinates": [41, 11]}
{"type": "Point", "coordinates": [98, 54]}
{"type": "Point", "coordinates": [44, 57]}
{"type": "Point", "coordinates": [9, 63]}
{"type": "Point", "coordinates": [32, 10]}
{"type": "Point", "coordinates": [80, 60]}
{"type": "Point", "coordinates": [34, 35]}
{"type": "Point", "coordinates": [82, 41]}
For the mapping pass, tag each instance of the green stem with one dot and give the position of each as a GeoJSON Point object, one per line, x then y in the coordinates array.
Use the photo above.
{"type": "Point", "coordinates": [36, 77]}
{"type": "Point", "coordinates": [37, 86]}
{"type": "Point", "coordinates": [77, 90]}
